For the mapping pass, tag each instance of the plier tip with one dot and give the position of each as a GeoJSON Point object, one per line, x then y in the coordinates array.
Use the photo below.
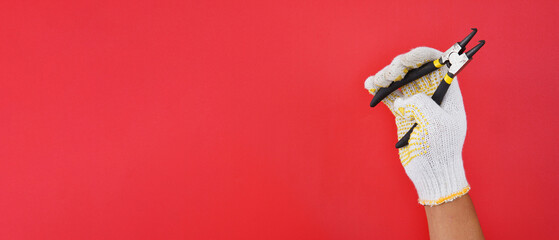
{"type": "Point", "coordinates": [466, 40]}
{"type": "Point", "coordinates": [470, 53]}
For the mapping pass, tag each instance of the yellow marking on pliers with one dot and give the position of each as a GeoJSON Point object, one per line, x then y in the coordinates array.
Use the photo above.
{"type": "Point", "coordinates": [448, 79]}
{"type": "Point", "coordinates": [437, 63]}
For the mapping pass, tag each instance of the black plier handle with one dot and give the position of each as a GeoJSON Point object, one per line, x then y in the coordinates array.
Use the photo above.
{"type": "Point", "coordinates": [410, 77]}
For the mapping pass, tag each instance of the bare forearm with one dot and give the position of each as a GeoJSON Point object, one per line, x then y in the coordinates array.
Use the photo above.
{"type": "Point", "coordinates": [454, 220]}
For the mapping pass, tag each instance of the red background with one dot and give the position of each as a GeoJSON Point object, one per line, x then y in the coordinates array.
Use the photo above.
{"type": "Point", "coordinates": [248, 119]}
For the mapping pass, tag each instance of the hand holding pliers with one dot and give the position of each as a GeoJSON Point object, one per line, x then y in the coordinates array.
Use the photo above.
{"type": "Point", "coordinates": [454, 58]}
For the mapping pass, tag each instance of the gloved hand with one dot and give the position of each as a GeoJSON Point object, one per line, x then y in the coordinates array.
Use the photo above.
{"type": "Point", "coordinates": [433, 157]}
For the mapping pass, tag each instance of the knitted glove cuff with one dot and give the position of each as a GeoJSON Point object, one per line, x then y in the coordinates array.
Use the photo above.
{"type": "Point", "coordinates": [438, 183]}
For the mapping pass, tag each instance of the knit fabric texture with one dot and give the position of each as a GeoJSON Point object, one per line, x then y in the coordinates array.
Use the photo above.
{"type": "Point", "coordinates": [433, 157]}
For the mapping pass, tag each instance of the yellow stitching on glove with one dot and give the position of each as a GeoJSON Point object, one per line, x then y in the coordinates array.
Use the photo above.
{"type": "Point", "coordinates": [445, 199]}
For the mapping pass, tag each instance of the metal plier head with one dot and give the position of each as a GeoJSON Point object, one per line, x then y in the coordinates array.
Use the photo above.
{"type": "Point", "coordinates": [455, 58]}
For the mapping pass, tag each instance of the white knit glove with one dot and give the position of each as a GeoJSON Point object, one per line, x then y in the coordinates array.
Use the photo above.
{"type": "Point", "coordinates": [433, 157]}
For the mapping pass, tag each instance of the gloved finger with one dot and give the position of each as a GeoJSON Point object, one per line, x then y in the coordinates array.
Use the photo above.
{"type": "Point", "coordinates": [384, 78]}
{"type": "Point", "coordinates": [395, 71]}
{"type": "Point", "coordinates": [379, 79]}
{"type": "Point", "coordinates": [418, 56]}
{"type": "Point", "coordinates": [370, 86]}
{"type": "Point", "coordinates": [371, 83]}
{"type": "Point", "coordinates": [398, 68]}
{"type": "Point", "coordinates": [420, 108]}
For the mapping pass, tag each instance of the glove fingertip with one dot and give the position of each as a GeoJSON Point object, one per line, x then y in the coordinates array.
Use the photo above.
{"type": "Point", "coordinates": [369, 83]}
